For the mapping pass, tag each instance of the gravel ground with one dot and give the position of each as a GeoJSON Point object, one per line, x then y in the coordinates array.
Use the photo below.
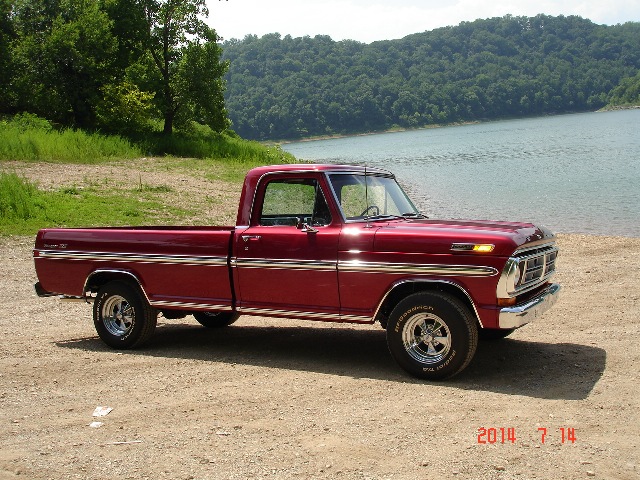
{"type": "Point", "coordinates": [282, 399]}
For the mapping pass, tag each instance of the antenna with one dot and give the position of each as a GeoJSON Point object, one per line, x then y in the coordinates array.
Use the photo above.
{"type": "Point", "coordinates": [366, 196]}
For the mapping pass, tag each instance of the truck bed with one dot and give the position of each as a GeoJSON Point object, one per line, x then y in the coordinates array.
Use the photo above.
{"type": "Point", "coordinates": [183, 268]}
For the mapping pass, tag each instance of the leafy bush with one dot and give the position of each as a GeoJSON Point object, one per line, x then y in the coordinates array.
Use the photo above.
{"type": "Point", "coordinates": [28, 121]}
{"type": "Point", "coordinates": [125, 109]}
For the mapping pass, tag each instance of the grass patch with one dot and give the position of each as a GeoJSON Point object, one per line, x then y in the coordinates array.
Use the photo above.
{"type": "Point", "coordinates": [24, 209]}
{"type": "Point", "coordinates": [196, 152]}
{"type": "Point", "coordinates": [26, 137]}
{"type": "Point", "coordinates": [203, 143]}
{"type": "Point", "coordinates": [35, 142]}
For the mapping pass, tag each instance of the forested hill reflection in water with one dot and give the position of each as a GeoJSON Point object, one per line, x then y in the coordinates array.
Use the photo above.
{"type": "Point", "coordinates": [572, 173]}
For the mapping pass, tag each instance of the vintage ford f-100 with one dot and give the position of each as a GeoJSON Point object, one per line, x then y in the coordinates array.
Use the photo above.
{"type": "Point", "coordinates": [319, 242]}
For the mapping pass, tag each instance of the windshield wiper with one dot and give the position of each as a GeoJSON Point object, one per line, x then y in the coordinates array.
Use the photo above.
{"type": "Point", "coordinates": [381, 216]}
{"type": "Point", "coordinates": [413, 215]}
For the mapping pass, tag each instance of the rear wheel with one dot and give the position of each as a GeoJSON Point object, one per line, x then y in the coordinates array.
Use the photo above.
{"type": "Point", "coordinates": [122, 317]}
{"type": "Point", "coordinates": [215, 319]}
{"type": "Point", "coordinates": [432, 335]}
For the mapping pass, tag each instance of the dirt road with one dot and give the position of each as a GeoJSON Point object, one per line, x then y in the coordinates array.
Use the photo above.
{"type": "Point", "coordinates": [283, 399]}
{"type": "Point", "coordinates": [292, 399]}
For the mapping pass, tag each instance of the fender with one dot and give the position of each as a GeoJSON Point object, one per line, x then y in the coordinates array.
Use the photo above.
{"type": "Point", "coordinates": [406, 281]}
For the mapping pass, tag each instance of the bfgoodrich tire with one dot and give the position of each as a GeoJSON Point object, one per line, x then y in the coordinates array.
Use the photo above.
{"type": "Point", "coordinates": [432, 335]}
{"type": "Point", "coordinates": [122, 317]}
{"type": "Point", "coordinates": [215, 319]}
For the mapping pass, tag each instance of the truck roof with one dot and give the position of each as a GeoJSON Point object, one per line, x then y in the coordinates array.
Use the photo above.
{"type": "Point", "coordinates": [315, 167]}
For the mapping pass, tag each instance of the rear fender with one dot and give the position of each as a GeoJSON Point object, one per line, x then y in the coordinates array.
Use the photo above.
{"type": "Point", "coordinates": [101, 277]}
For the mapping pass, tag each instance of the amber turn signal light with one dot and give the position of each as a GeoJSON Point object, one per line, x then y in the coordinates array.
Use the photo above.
{"type": "Point", "coordinates": [506, 302]}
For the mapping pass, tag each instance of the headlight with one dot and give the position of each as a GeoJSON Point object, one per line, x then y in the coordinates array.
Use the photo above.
{"type": "Point", "coordinates": [517, 276]}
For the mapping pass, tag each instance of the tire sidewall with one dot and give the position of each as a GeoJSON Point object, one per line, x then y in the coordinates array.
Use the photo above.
{"type": "Point", "coordinates": [130, 338]}
{"type": "Point", "coordinates": [215, 319]}
{"type": "Point", "coordinates": [461, 326]}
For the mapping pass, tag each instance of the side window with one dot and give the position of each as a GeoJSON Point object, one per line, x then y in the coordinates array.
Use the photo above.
{"type": "Point", "coordinates": [289, 202]}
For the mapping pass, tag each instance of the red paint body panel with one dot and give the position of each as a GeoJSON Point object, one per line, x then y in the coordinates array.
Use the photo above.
{"type": "Point", "coordinates": [339, 272]}
{"type": "Point", "coordinates": [187, 265]}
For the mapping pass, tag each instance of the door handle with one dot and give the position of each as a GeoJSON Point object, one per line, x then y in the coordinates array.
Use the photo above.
{"type": "Point", "coordinates": [246, 238]}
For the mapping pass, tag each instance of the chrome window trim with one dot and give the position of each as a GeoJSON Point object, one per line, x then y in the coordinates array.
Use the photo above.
{"type": "Point", "coordinates": [295, 172]}
{"type": "Point", "coordinates": [132, 257]}
{"type": "Point", "coordinates": [299, 171]}
{"type": "Point", "coordinates": [367, 173]}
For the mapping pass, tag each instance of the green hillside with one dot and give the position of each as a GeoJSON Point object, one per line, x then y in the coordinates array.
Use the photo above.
{"type": "Point", "coordinates": [286, 88]}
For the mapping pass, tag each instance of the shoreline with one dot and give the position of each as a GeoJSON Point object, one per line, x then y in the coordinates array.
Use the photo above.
{"type": "Point", "coordinates": [440, 125]}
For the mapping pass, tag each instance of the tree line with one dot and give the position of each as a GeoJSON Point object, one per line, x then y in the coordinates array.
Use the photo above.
{"type": "Point", "coordinates": [120, 66]}
{"type": "Point", "coordinates": [286, 88]}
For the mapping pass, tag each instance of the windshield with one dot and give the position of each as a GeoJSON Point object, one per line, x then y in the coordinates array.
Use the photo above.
{"type": "Point", "coordinates": [369, 196]}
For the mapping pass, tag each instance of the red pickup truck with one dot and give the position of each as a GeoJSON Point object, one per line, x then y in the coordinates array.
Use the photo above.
{"type": "Point", "coordinates": [318, 242]}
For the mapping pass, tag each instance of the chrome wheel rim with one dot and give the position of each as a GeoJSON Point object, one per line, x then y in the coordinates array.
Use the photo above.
{"type": "Point", "coordinates": [426, 338]}
{"type": "Point", "coordinates": [117, 315]}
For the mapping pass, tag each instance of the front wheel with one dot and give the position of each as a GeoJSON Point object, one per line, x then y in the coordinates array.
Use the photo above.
{"type": "Point", "coordinates": [122, 317]}
{"type": "Point", "coordinates": [215, 319]}
{"type": "Point", "coordinates": [432, 335]}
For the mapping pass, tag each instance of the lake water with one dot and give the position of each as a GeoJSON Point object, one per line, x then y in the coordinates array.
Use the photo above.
{"type": "Point", "coordinates": [572, 173]}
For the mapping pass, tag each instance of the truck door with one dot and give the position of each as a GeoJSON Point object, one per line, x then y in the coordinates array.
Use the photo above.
{"type": "Point", "coordinates": [286, 261]}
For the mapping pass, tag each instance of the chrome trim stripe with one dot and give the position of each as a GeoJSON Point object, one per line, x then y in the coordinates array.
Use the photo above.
{"type": "Point", "coordinates": [365, 267]}
{"type": "Point", "coordinates": [200, 306]}
{"type": "Point", "coordinates": [356, 319]}
{"type": "Point", "coordinates": [132, 257]}
{"type": "Point", "coordinates": [284, 264]}
{"type": "Point", "coordinates": [413, 269]}
{"type": "Point", "coordinates": [287, 313]}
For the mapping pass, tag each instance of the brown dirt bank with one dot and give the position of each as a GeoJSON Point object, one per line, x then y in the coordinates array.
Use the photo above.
{"type": "Point", "coordinates": [290, 399]}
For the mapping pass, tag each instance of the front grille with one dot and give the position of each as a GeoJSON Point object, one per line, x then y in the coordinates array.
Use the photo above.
{"type": "Point", "coordinates": [535, 266]}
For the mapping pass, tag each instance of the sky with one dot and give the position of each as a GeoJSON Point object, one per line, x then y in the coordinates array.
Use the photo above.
{"type": "Point", "coordinates": [370, 20]}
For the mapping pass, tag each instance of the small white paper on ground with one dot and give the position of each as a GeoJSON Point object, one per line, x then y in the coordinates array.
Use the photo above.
{"type": "Point", "coordinates": [101, 411]}
{"type": "Point", "coordinates": [96, 424]}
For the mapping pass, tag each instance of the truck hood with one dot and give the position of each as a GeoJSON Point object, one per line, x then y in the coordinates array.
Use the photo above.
{"type": "Point", "coordinates": [437, 236]}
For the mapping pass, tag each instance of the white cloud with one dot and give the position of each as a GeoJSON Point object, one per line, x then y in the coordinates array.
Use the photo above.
{"type": "Point", "coordinates": [370, 20]}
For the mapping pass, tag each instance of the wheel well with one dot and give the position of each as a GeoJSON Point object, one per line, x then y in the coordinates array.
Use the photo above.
{"type": "Point", "coordinates": [405, 289]}
{"type": "Point", "coordinates": [100, 278]}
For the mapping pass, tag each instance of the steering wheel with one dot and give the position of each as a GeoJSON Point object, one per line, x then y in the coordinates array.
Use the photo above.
{"type": "Point", "coordinates": [371, 207]}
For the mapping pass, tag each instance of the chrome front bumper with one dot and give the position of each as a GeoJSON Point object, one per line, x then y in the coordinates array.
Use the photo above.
{"type": "Point", "coordinates": [514, 317]}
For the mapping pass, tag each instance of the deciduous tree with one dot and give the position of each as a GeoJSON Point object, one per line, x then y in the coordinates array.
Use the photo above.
{"type": "Point", "coordinates": [186, 56]}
